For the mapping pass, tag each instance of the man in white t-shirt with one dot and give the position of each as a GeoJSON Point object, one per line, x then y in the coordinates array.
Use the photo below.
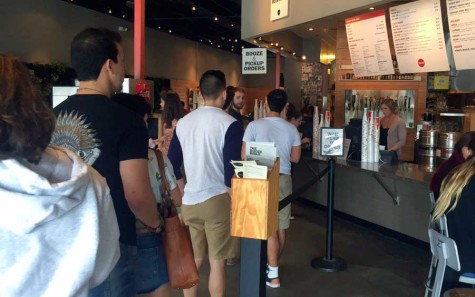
{"type": "Point", "coordinates": [205, 141]}
{"type": "Point", "coordinates": [287, 140]}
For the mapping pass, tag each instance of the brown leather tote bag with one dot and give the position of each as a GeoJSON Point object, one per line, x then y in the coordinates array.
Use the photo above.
{"type": "Point", "coordinates": [181, 265]}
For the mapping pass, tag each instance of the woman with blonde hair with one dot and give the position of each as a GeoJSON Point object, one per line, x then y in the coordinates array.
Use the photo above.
{"type": "Point", "coordinates": [457, 202]}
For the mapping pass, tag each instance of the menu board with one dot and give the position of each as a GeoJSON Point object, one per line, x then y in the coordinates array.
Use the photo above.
{"type": "Point", "coordinates": [461, 15]}
{"type": "Point", "coordinates": [418, 37]}
{"type": "Point", "coordinates": [369, 45]}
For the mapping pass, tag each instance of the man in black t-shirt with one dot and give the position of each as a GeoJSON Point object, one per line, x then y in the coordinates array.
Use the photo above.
{"type": "Point", "coordinates": [113, 140]}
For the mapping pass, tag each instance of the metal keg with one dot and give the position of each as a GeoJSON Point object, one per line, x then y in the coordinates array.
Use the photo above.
{"type": "Point", "coordinates": [427, 156]}
{"type": "Point", "coordinates": [445, 145]}
{"type": "Point", "coordinates": [427, 148]}
{"type": "Point", "coordinates": [428, 138]}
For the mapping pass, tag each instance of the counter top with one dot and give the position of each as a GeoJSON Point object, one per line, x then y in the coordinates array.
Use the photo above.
{"type": "Point", "coordinates": [403, 170]}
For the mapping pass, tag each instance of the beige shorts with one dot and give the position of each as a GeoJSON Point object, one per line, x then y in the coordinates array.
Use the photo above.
{"type": "Point", "coordinates": [285, 189]}
{"type": "Point", "coordinates": [209, 224]}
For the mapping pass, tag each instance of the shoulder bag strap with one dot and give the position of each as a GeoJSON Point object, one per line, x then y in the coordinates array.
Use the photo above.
{"type": "Point", "coordinates": [161, 166]}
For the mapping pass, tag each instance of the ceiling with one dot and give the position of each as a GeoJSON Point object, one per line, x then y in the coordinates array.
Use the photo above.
{"type": "Point", "coordinates": [216, 23]}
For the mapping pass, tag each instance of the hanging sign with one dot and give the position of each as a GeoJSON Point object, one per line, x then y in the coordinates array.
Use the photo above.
{"type": "Point", "coordinates": [279, 9]}
{"type": "Point", "coordinates": [254, 61]}
{"type": "Point", "coordinates": [462, 32]}
{"type": "Point", "coordinates": [369, 44]}
{"type": "Point", "coordinates": [418, 36]}
{"type": "Point", "coordinates": [331, 143]}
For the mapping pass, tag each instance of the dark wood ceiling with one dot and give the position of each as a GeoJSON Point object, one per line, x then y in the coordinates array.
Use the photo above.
{"type": "Point", "coordinates": [216, 23]}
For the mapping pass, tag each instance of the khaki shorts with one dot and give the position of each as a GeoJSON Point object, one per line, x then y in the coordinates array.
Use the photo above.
{"type": "Point", "coordinates": [209, 224]}
{"type": "Point", "coordinates": [285, 189]}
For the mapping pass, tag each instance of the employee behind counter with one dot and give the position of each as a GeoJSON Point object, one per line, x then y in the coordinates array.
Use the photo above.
{"type": "Point", "coordinates": [392, 132]}
{"type": "Point", "coordinates": [393, 129]}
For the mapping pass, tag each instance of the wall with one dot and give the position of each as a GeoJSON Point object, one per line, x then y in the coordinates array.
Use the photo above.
{"type": "Point", "coordinates": [41, 30]}
{"type": "Point", "coordinates": [256, 14]}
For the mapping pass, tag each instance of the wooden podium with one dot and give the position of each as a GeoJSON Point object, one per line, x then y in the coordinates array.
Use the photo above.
{"type": "Point", "coordinates": [255, 205]}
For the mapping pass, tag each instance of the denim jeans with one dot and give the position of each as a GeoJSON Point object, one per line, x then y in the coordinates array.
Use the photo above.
{"type": "Point", "coordinates": [151, 270]}
{"type": "Point", "coordinates": [121, 281]}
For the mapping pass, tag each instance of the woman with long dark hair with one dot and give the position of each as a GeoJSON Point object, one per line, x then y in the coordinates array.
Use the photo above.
{"type": "Point", "coordinates": [172, 112]}
{"type": "Point", "coordinates": [464, 148]}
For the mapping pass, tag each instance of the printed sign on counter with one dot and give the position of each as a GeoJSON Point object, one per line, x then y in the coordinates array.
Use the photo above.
{"type": "Point", "coordinates": [254, 61]}
{"type": "Point", "coordinates": [369, 44]}
{"type": "Point", "coordinates": [418, 37]}
{"type": "Point", "coordinates": [331, 143]}
{"type": "Point", "coordinates": [461, 15]}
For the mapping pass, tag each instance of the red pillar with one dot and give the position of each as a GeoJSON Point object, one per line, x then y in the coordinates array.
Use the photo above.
{"type": "Point", "coordinates": [139, 38]}
{"type": "Point", "coordinates": [277, 70]}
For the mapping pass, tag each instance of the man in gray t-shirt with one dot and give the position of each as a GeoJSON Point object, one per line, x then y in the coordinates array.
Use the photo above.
{"type": "Point", "coordinates": [287, 140]}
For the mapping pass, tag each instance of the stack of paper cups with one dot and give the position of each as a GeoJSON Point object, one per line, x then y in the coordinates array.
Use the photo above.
{"type": "Point", "coordinates": [377, 123]}
{"type": "Point", "coordinates": [364, 136]}
{"type": "Point", "coordinates": [370, 137]}
{"type": "Point", "coordinates": [316, 133]}
{"type": "Point", "coordinates": [256, 110]}
{"type": "Point", "coordinates": [328, 117]}
{"type": "Point", "coordinates": [261, 109]}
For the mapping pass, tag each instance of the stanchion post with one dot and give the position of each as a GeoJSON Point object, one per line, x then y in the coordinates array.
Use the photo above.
{"type": "Point", "coordinates": [253, 268]}
{"type": "Point", "coordinates": [329, 263]}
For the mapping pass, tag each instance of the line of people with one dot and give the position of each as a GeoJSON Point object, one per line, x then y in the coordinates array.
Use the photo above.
{"type": "Point", "coordinates": [79, 187]}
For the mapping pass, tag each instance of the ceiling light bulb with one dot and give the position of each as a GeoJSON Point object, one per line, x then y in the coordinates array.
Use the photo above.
{"type": "Point", "coordinates": [232, 25]}
{"type": "Point", "coordinates": [123, 16]}
{"type": "Point", "coordinates": [281, 48]}
{"type": "Point", "coordinates": [310, 29]}
{"type": "Point", "coordinates": [271, 43]}
{"type": "Point", "coordinates": [169, 31]}
{"type": "Point", "coordinates": [219, 45]}
{"type": "Point", "coordinates": [211, 43]}
{"type": "Point", "coordinates": [293, 53]}
{"type": "Point", "coordinates": [304, 57]}
{"type": "Point", "coordinates": [242, 46]}
{"type": "Point", "coordinates": [235, 40]}
{"type": "Point", "coordinates": [193, 8]}
{"type": "Point", "coordinates": [276, 44]}
{"type": "Point", "coordinates": [215, 18]}
{"type": "Point", "coordinates": [110, 11]}
{"type": "Point", "coordinates": [159, 27]}
{"type": "Point", "coordinates": [371, 8]}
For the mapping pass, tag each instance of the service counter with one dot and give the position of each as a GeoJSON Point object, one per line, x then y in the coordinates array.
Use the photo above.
{"type": "Point", "coordinates": [391, 196]}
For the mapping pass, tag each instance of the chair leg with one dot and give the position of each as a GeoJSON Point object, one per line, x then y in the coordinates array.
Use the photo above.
{"type": "Point", "coordinates": [429, 283]}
